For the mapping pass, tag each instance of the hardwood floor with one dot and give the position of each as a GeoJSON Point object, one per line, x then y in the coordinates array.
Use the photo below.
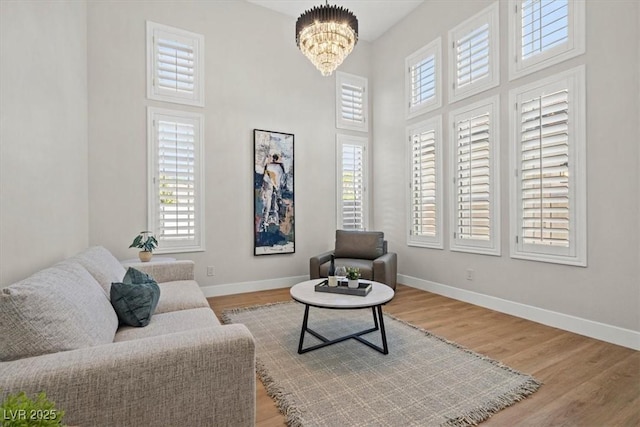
{"type": "Point", "coordinates": [586, 382]}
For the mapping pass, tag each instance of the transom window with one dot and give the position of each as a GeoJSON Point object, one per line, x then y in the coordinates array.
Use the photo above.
{"type": "Point", "coordinates": [543, 33]}
{"type": "Point", "coordinates": [474, 58]}
{"type": "Point", "coordinates": [423, 85]}
{"type": "Point", "coordinates": [175, 65]}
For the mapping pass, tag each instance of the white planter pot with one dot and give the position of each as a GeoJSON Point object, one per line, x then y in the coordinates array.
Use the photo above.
{"type": "Point", "coordinates": [353, 283]}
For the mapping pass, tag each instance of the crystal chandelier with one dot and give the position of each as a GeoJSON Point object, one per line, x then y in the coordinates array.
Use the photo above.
{"type": "Point", "coordinates": [326, 35]}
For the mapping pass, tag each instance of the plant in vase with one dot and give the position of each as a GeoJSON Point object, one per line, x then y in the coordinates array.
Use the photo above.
{"type": "Point", "coordinates": [353, 274]}
{"type": "Point", "coordinates": [147, 243]}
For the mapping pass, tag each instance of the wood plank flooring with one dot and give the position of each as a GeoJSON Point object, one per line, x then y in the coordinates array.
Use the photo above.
{"type": "Point", "coordinates": [587, 382]}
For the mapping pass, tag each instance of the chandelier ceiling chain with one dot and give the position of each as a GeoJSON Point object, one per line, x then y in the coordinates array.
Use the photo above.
{"type": "Point", "coordinates": [326, 35]}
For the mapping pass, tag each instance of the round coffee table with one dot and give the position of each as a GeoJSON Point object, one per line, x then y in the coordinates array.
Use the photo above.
{"type": "Point", "coordinates": [380, 294]}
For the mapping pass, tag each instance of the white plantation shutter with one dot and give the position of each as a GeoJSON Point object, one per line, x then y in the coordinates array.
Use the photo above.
{"type": "Point", "coordinates": [425, 164]}
{"type": "Point", "coordinates": [545, 24]}
{"type": "Point", "coordinates": [475, 207]}
{"type": "Point", "coordinates": [548, 129]}
{"type": "Point", "coordinates": [543, 33]}
{"type": "Point", "coordinates": [423, 79]}
{"type": "Point", "coordinates": [351, 102]}
{"type": "Point", "coordinates": [474, 57]}
{"type": "Point", "coordinates": [544, 162]}
{"type": "Point", "coordinates": [352, 183]}
{"type": "Point", "coordinates": [175, 65]}
{"type": "Point", "coordinates": [176, 187]}
{"type": "Point", "coordinates": [472, 178]}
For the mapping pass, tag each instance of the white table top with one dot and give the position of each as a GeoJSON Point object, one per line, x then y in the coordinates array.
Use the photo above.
{"type": "Point", "coordinates": [305, 293]}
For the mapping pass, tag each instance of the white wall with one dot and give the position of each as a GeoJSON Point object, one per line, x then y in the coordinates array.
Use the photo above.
{"type": "Point", "coordinates": [608, 290]}
{"type": "Point", "coordinates": [255, 77]}
{"type": "Point", "coordinates": [43, 135]}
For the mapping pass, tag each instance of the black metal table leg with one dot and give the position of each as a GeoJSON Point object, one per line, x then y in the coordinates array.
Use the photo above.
{"type": "Point", "coordinates": [378, 325]}
{"type": "Point", "coordinates": [304, 328]}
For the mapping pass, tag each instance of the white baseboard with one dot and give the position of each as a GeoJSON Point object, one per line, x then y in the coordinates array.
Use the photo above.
{"type": "Point", "coordinates": [258, 285]}
{"type": "Point", "coordinates": [589, 328]}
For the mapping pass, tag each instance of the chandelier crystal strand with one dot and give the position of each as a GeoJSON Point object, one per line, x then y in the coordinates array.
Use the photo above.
{"type": "Point", "coordinates": [326, 35]}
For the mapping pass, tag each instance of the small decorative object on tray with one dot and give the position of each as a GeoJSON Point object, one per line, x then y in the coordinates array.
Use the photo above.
{"type": "Point", "coordinates": [362, 290]}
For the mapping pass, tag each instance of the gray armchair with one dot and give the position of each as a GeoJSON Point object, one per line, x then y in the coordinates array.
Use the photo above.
{"type": "Point", "coordinates": [366, 250]}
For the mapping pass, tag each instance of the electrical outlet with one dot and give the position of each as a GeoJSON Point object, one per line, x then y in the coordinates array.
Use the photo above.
{"type": "Point", "coordinates": [469, 274]}
{"type": "Point", "coordinates": [210, 270]}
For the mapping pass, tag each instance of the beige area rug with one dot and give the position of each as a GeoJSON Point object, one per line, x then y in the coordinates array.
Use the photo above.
{"type": "Point", "coordinates": [423, 381]}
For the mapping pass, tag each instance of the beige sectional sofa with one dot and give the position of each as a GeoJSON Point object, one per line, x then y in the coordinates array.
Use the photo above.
{"type": "Point", "coordinates": [59, 334]}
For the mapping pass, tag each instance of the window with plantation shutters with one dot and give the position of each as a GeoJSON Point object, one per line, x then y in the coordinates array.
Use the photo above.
{"type": "Point", "coordinates": [175, 65]}
{"type": "Point", "coordinates": [543, 33]}
{"type": "Point", "coordinates": [175, 186]}
{"type": "Point", "coordinates": [475, 202]}
{"type": "Point", "coordinates": [549, 222]}
{"type": "Point", "coordinates": [474, 59]}
{"type": "Point", "coordinates": [423, 85]}
{"type": "Point", "coordinates": [352, 183]}
{"type": "Point", "coordinates": [351, 102]}
{"type": "Point", "coordinates": [425, 183]}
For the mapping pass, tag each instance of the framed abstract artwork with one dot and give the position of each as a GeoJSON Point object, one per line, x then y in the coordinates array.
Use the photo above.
{"type": "Point", "coordinates": [273, 193]}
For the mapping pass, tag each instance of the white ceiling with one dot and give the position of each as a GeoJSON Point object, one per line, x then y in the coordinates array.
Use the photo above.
{"type": "Point", "coordinates": [374, 16]}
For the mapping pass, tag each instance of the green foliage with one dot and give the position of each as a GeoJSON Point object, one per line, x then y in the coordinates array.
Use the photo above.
{"type": "Point", "coordinates": [18, 410]}
{"type": "Point", "coordinates": [144, 241]}
{"type": "Point", "coordinates": [353, 273]}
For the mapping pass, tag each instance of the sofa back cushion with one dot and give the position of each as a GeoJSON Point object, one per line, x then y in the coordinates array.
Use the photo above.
{"type": "Point", "coordinates": [57, 309]}
{"type": "Point", "coordinates": [359, 244]}
{"type": "Point", "coordinates": [102, 265]}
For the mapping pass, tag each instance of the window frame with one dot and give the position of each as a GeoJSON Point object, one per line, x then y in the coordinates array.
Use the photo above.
{"type": "Point", "coordinates": [431, 124]}
{"type": "Point", "coordinates": [574, 46]}
{"type": "Point", "coordinates": [357, 81]}
{"type": "Point", "coordinates": [154, 30]}
{"type": "Point", "coordinates": [490, 16]}
{"type": "Point", "coordinates": [434, 48]}
{"type": "Point", "coordinates": [164, 246]}
{"type": "Point", "coordinates": [492, 246]}
{"type": "Point", "coordinates": [363, 141]}
{"type": "Point", "coordinates": [576, 253]}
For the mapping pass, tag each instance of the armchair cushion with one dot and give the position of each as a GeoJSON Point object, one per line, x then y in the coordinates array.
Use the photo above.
{"type": "Point", "coordinates": [359, 244]}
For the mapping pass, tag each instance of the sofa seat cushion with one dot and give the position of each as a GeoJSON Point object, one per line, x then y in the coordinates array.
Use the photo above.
{"type": "Point", "coordinates": [180, 295]}
{"type": "Point", "coordinates": [365, 266]}
{"type": "Point", "coordinates": [169, 323]}
{"type": "Point", "coordinates": [102, 265]}
{"type": "Point", "coordinates": [59, 308]}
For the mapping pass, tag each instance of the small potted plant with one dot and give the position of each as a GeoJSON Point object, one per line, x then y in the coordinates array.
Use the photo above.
{"type": "Point", "coordinates": [353, 274]}
{"type": "Point", "coordinates": [147, 243]}
{"type": "Point", "coordinates": [20, 410]}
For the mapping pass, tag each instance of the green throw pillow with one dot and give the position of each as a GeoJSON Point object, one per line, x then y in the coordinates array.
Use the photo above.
{"type": "Point", "coordinates": [135, 298]}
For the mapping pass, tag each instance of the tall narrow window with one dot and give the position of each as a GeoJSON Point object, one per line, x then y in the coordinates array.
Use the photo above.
{"type": "Point", "coordinates": [544, 32]}
{"type": "Point", "coordinates": [475, 202]}
{"type": "Point", "coordinates": [175, 185]}
{"type": "Point", "coordinates": [423, 81]}
{"type": "Point", "coordinates": [352, 203]}
{"type": "Point", "coordinates": [548, 212]}
{"type": "Point", "coordinates": [351, 102]}
{"type": "Point", "coordinates": [474, 59]}
{"type": "Point", "coordinates": [425, 183]}
{"type": "Point", "coordinates": [175, 65]}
